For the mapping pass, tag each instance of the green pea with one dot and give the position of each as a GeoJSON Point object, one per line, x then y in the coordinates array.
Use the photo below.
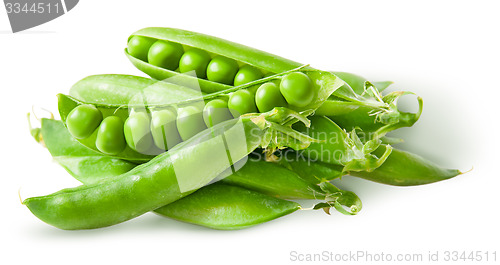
{"type": "Point", "coordinates": [247, 74]}
{"type": "Point", "coordinates": [110, 139]}
{"type": "Point", "coordinates": [215, 112]}
{"type": "Point", "coordinates": [137, 132]}
{"type": "Point", "coordinates": [195, 60]}
{"type": "Point", "coordinates": [241, 102]}
{"type": "Point", "coordinates": [83, 120]}
{"type": "Point", "coordinates": [189, 122]}
{"type": "Point", "coordinates": [165, 54]}
{"type": "Point", "coordinates": [297, 89]}
{"type": "Point", "coordinates": [164, 129]}
{"type": "Point", "coordinates": [138, 47]}
{"type": "Point", "coordinates": [268, 96]}
{"type": "Point", "coordinates": [222, 70]}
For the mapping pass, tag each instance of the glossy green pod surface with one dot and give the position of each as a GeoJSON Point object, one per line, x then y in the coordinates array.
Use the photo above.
{"type": "Point", "coordinates": [226, 207]}
{"type": "Point", "coordinates": [406, 169]}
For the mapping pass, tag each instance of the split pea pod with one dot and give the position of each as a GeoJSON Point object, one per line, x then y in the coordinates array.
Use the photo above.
{"type": "Point", "coordinates": [258, 175]}
{"type": "Point", "coordinates": [166, 178]}
{"type": "Point", "coordinates": [158, 115]}
{"type": "Point", "coordinates": [220, 64]}
{"type": "Point", "coordinates": [224, 60]}
{"type": "Point", "coordinates": [255, 192]}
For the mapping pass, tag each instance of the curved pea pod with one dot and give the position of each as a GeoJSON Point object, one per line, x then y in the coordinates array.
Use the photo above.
{"type": "Point", "coordinates": [166, 178]}
{"type": "Point", "coordinates": [254, 179]}
{"type": "Point", "coordinates": [204, 207]}
{"type": "Point", "coordinates": [244, 55]}
{"type": "Point", "coordinates": [225, 207]}
{"type": "Point", "coordinates": [359, 104]}
{"type": "Point", "coordinates": [403, 168]}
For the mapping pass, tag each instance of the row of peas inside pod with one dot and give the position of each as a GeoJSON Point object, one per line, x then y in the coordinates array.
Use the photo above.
{"type": "Point", "coordinates": [176, 57]}
{"type": "Point", "coordinates": [152, 129]}
{"type": "Point", "coordinates": [294, 88]}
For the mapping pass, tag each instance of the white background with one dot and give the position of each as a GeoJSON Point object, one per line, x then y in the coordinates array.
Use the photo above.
{"type": "Point", "coordinates": [445, 51]}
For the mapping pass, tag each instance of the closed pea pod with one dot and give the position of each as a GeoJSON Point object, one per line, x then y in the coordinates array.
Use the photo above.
{"type": "Point", "coordinates": [164, 129]}
{"type": "Point", "coordinates": [83, 120]}
{"type": "Point", "coordinates": [226, 207]}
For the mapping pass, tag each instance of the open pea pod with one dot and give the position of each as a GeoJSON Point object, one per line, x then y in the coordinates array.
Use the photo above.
{"type": "Point", "coordinates": [242, 55]}
{"type": "Point", "coordinates": [166, 178]}
{"type": "Point", "coordinates": [256, 175]}
{"type": "Point", "coordinates": [124, 96]}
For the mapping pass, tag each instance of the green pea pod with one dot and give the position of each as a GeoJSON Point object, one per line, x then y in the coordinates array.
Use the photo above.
{"type": "Point", "coordinates": [248, 208]}
{"type": "Point", "coordinates": [271, 179]}
{"type": "Point", "coordinates": [166, 178]}
{"type": "Point", "coordinates": [204, 207]}
{"type": "Point", "coordinates": [120, 95]}
{"type": "Point", "coordinates": [242, 54]}
{"type": "Point", "coordinates": [403, 168]}
{"type": "Point", "coordinates": [226, 207]}
{"type": "Point", "coordinates": [358, 101]}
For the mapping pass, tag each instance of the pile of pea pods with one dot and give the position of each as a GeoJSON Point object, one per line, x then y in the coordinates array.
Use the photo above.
{"type": "Point", "coordinates": [222, 135]}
